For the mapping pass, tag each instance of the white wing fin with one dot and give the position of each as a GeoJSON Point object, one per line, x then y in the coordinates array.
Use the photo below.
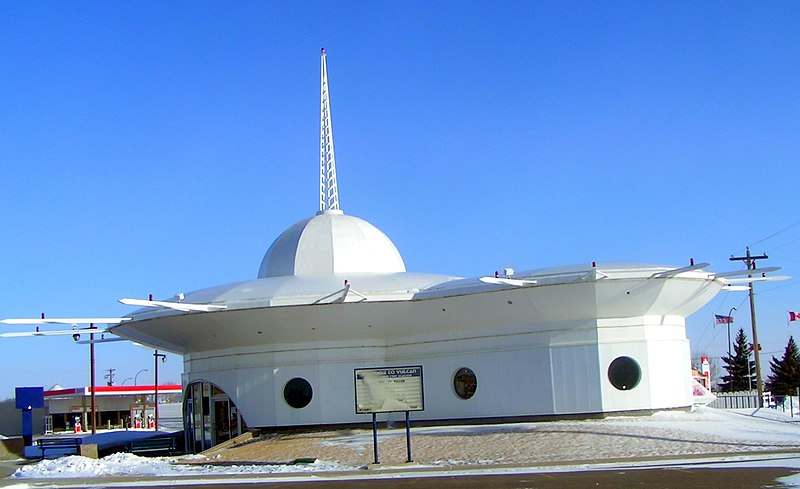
{"type": "Point", "coordinates": [23, 334]}
{"type": "Point", "coordinates": [735, 288]}
{"type": "Point", "coordinates": [740, 273]}
{"type": "Point", "coordinates": [101, 340]}
{"type": "Point", "coordinates": [507, 281]}
{"type": "Point", "coordinates": [65, 321]}
{"type": "Point", "coordinates": [179, 306]}
{"type": "Point", "coordinates": [336, 297]}
{"type": "Point", "coordinates": [676, 271]}
{"type": "Point", "coordinates": [745, 280]}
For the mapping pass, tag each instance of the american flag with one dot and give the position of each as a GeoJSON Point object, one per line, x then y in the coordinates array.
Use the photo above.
{"type": "Point", "coordinates": [794, 316]}
{"type": "Point", "coordinates": [725, 319]}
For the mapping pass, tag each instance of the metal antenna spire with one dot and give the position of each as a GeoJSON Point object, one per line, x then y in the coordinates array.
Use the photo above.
{"type": "Point", "coordinates": [328, 189]}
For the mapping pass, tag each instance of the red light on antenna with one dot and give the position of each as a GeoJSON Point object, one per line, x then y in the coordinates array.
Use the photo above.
{"type": "Point", "coordinates": [691, 261]}
{"type": "Point", "coordinates": [594, 264]}
{"type": "Point", "coordinates": [42, 315]}
{"type": "Point", "coordinates": [150, 296]}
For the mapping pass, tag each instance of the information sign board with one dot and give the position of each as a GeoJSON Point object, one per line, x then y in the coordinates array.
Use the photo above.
{"type": "Point", "coordinates": [389, 389]}
{"type": "Point", "coordinates": [29, 397]}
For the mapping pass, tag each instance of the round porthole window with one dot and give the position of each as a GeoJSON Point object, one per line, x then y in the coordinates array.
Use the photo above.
{"type": "Point", "coordinates": [298, 393]}
{"type": "Point", "coordinates": [624, 373]}
{"type": "Point", "coordinates": [465, 383]}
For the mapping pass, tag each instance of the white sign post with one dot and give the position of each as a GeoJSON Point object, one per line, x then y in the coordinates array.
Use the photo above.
{"type": "Point", "coordinates": [388, 390]}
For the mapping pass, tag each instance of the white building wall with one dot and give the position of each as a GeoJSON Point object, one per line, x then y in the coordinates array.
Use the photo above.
{"type": "Point", "coordinates": [255, 381]}
{"type": "Point", "coordinates": [659, 346]}
{"type": "Point", "coordinates": [576, 379]}
{"type": "Point", "coordinates": [671, 374]}
{"type": "Point", "coordinates": [561, 368]}
{"type": "Point", "coordinates": [634, 399]}
{"type": "Point", "coordinates": [543, 373]}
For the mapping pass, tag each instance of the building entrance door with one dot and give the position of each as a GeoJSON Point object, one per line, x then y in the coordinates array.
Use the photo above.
{"type": "Point", "coordinates": [222, 418]}
{"type": "Point", "coordinates": [210, 417]}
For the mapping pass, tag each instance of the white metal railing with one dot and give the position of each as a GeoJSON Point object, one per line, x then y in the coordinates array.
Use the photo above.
{"type": "Point", "coordinates": [749, 400]}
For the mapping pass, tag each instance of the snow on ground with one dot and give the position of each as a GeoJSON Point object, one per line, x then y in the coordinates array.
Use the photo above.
{"type": "Point", "coordinates": [664, 434]}
{"type": "Point", "coordinates": [744, 425]}
{"type": "Point", "coordinates": [126, 464]}
{"type": "Point", "coordinates": [626, 441]}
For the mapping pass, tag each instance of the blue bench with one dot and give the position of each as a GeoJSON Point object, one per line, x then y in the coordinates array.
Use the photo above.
{"type": "Point", "coordinates": [65, 446]}
{"type": "Point", "coordinates": [152, 446]}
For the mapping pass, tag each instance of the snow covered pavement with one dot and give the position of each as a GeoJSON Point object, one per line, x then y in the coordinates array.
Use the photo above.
{"type": "Point", "coordinates": [707, 436]}
{"type": "Point", "coordinates": [664, 434]}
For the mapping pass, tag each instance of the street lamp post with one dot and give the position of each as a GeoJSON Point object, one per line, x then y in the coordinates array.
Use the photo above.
{"type": "Point", "coordinates": [163, 358]}
{"type": "Point", "coordinates": [730, 320]}
{"type": "Point", "coordinates": [91, 367]}
{"type": "Point", "coordinates": [126, 379]}
{"type": "Point", "coordinates": [136, 377]}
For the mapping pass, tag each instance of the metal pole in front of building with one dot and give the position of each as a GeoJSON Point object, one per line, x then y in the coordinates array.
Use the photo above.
{"type": "Point", "coordinates": [408, 439]}
{"type": "Point", "coordinates": [91, 368]}
{"type": "Point", "coordinates": [157, 356]}
{"type": "Point", "coordinates": [155, 396]}
{"type": "Point", "coordinates": [375, 437]}
{"type": "Point", "coordinates": [730, 354]}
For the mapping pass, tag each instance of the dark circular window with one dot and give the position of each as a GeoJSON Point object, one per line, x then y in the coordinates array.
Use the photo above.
{"type": "Point", "coordinates": [465, 383]}
{"type": "Point", "coordinates": [298, 393]}
{"type": "Point", "coordinates": [624, 373]}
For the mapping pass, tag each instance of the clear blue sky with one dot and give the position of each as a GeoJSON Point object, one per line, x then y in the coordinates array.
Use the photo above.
{"type": "Point", "coordinates": [160, 147]}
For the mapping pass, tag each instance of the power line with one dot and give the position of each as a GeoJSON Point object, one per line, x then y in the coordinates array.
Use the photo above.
{"type": "Point", "coordinates": [788, 283]}
{"type": "Point", "coordinates": [790, 226]}
{"type": "Point", "coordinates": [785, 244]}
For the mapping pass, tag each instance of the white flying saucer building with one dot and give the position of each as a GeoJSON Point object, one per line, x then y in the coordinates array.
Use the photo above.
{"type": "Point", "coordinates": [333, 295]}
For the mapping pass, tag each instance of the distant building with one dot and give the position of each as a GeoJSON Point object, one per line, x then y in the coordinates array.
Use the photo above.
{"type": "Point", "coordinates": [117, 407]}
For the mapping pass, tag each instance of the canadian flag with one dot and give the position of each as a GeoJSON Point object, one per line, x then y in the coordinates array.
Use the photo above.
{"type": "Point", "coordinates": [794, 316]}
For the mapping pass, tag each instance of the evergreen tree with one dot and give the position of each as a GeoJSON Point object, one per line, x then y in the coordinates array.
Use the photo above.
{"type": "Point", "coordinates": [785, 376]}
{"type": "Point", "coordinates": [741, 370]}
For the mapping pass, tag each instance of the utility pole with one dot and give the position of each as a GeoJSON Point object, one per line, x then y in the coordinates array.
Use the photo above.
{"type": "Point", "coordinates": [750, 261]}
{"type": "Point", "coordinates": [110, 376]}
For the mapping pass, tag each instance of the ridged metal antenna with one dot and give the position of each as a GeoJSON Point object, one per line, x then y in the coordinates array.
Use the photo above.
{"type": "Point", "coordinates": [328, 190]}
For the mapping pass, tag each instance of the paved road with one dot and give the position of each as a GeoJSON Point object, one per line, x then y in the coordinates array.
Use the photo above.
{"type": "Point", "coordinates": [662, 478]}
{"type": "Point", "coordinates": [8, 467]}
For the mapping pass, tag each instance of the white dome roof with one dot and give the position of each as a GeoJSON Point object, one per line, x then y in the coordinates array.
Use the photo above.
{"type": "Point", "coordinates": [329, 243]}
